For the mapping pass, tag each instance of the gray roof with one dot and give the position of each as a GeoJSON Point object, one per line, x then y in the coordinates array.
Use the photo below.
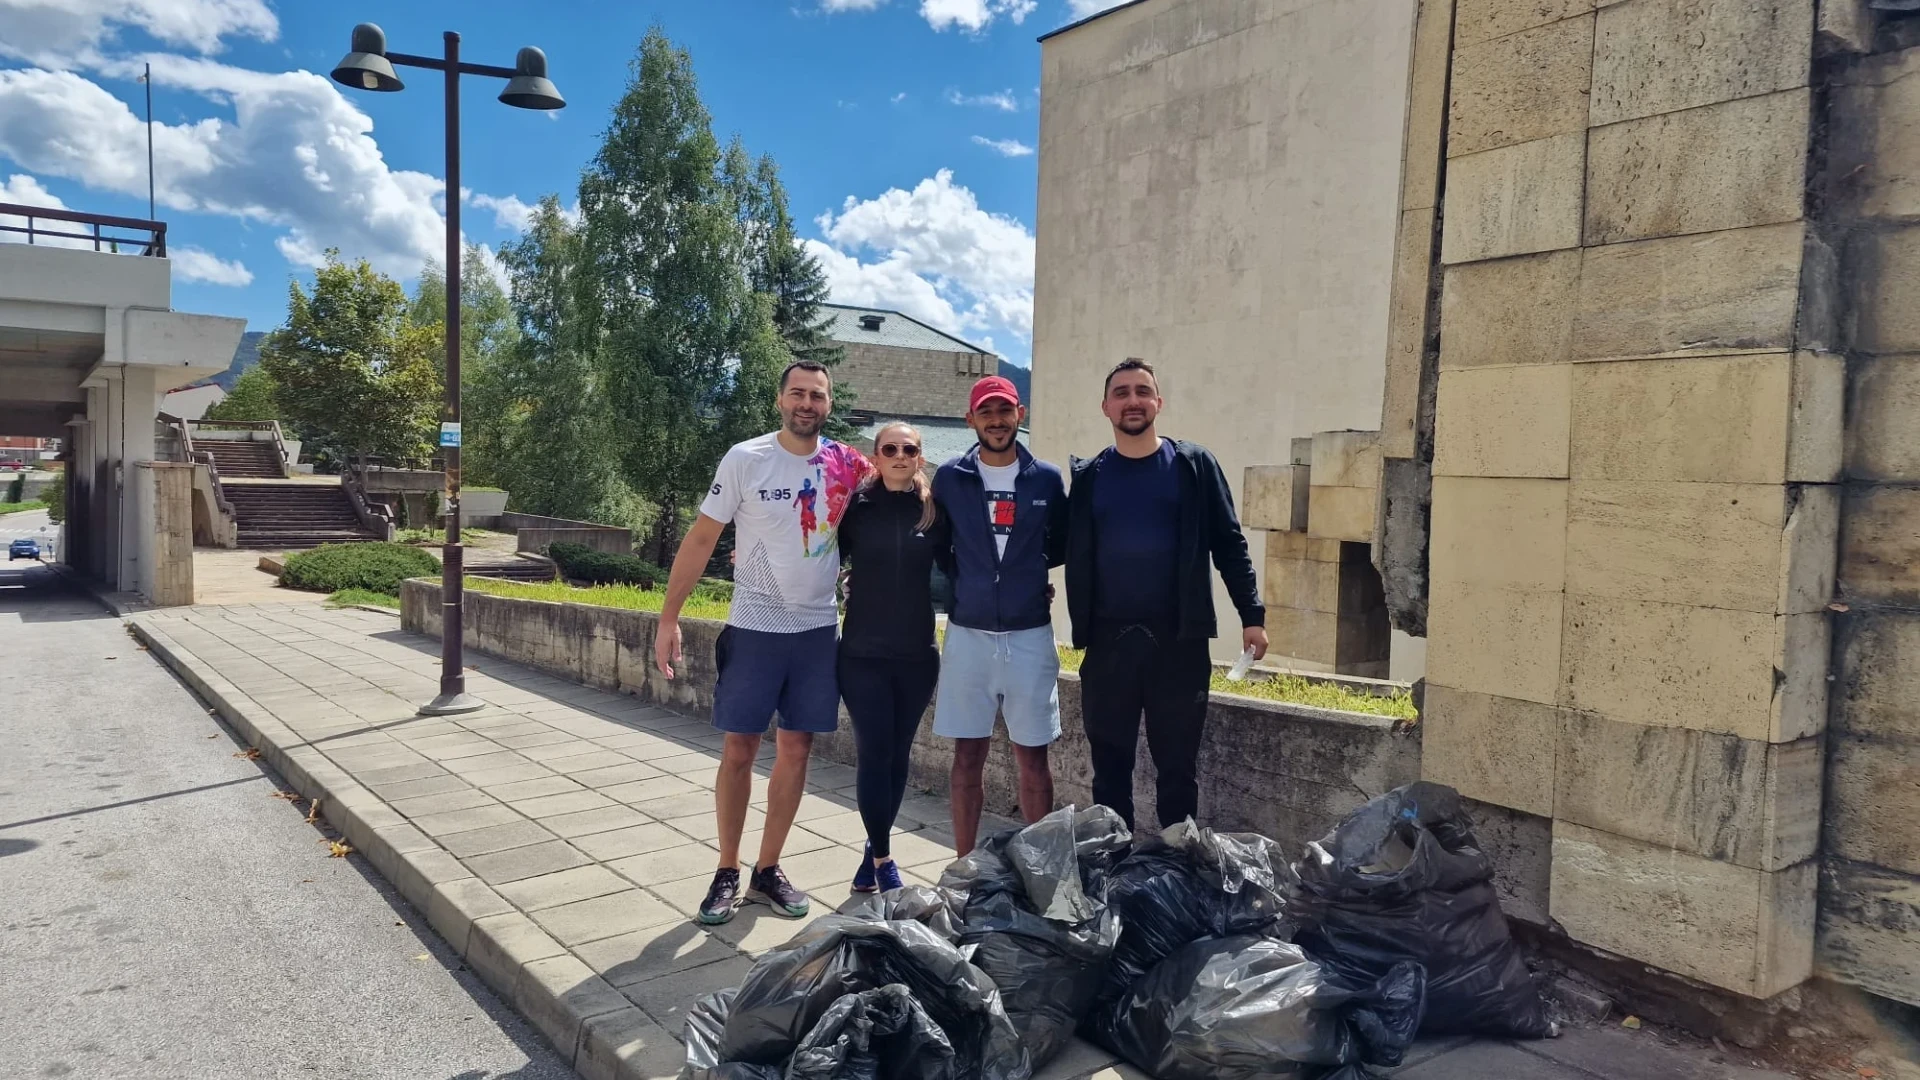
{"type": "Point", "coordinates": [896, 329]}
{"type": "Point", "coordinates": [943, 439]}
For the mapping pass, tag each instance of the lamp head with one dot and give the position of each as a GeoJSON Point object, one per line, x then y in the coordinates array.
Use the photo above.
{"type": "Point", "coordinates": [529, 88]}
{"type": "Point", "coordinates": [366, 66]}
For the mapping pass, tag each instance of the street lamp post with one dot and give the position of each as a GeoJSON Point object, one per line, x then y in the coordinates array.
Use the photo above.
{"type": "Point", "coordinates": [369, 66]}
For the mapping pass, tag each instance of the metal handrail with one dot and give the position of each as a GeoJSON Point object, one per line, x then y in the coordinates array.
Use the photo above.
{"type": "Point", "coordinates": [153, 243]}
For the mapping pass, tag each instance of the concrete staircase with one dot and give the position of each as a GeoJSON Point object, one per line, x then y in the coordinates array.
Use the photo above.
{"type": "Point", "coordinates": [512, 568]}
{"type": "Point", "coordinates": [293, 515]}
{"type": "Point", "coordinates": [248, 460]}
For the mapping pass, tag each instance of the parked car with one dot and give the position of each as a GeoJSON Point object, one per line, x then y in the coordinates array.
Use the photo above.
{"type": "Point", "coordinates": [24, 548]}
{"type": "Point", "coordinates": [12, 465]}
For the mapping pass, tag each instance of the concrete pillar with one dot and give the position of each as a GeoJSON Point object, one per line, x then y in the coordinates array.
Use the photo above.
{"type": "Point", "coordinates": [166, 550]}
{"type": "Point", "coordinates": [1636, 442]}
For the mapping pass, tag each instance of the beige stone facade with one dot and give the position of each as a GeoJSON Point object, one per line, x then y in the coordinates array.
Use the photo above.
{"type": "Point", "coordinates": [1217, 195]}
{"type": "Point", "coordinates": [1645, 472]}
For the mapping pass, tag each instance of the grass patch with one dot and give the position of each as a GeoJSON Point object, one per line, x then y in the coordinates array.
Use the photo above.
{"type": "Point", "coordinates": [1294, 690]}
{"type": "Point", "coordinates": [376, 567]}
{"type": "Point", "coordinates": [613, 596]}
{"type": "Point", "coordinates": [437, 536]}
{"type": "Point", "coordinates": [21, 507]}
{"type": "Point", "coordinates": [707, 603]}
{"type": "Point", "coordinates": [349, 597]}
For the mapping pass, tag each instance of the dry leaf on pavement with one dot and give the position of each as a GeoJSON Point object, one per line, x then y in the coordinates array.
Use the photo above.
{"type": "Point", "coordinates": [339, 849]}
{"type": "Point", "coordinates": [313, 812]}
{"type": "Point", "coordinates": [1631, 1023]}
{"type": "Point", "coordinates": [290, 796]}
{"type": "Point", "coordinates": [250, 753]}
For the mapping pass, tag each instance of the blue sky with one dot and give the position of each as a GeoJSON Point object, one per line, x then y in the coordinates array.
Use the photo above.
{"type": "Point", "coordinates": [904, 130]}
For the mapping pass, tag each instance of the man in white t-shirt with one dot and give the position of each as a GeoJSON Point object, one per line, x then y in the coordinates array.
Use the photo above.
{"type": "Point", "coordinates": [784, 494]}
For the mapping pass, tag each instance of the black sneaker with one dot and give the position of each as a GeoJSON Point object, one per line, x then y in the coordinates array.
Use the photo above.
{"type": "Point", "coordinates": [770, 886]}
{"type": "Point", "coordinates": [718, 906]}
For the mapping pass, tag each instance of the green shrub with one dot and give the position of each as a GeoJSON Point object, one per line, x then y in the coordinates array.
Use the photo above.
{"type": "Point", "coordinates": [376, 567]}
{"type": "Point", "coordinates": [17, 490]}
{"type": "Point", "coordinates": [714, 591]}
{"type": "Point", "coordinates": [578, 562]}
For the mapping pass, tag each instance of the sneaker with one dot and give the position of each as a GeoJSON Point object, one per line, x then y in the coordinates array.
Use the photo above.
{"type": "Point", "coordinates": [718, 906]}
{"type": "Point", "coordinates": [863, 877]}
{"type": "Point", "coordinates": [887, 876]}
{"type": "Point", "coordinates": [770, 886]}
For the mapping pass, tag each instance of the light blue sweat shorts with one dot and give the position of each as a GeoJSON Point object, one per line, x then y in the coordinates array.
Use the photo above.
{"type": "Point", "coordinates": [1015, 675]}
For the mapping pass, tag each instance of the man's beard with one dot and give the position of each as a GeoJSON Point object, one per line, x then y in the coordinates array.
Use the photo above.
{"type": "Point", "coordinates": [986, 441]}
{"type": "Point", "coordinates": [805, 427]}
{"type": "Point", "coordinates": [1134, 425]}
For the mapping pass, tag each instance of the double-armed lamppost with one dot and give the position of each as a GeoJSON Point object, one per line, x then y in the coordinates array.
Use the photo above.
{"type": "Point", "coordinates": [369, 66]}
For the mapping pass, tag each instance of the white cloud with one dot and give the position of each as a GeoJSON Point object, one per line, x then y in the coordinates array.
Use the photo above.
{"type": "Point", "coordinates": [1004, 147]}
{"type": "Point", "coordinates": [49, 32]}
{"type": "Point", "coordinates": [850, 5]}
{"type": "Point", "coordinates": [193, 264]}
{"type": "Point", "coordinates": [296, 154]}
{"type": "Point", "coordinates": [509, 212]}
{"type": "Point", "coordinates": [25, 190]}
{"type": "Point", "coordinates": [1002, 100]}
{"type": "Point", "coordinates": [974, 16]}
{"type": "Point", "coordinates": [899, 97]}
{"type": "Point", "coordinates": [940, 258]}
{"type": "Point", "coordinates": [28, 191]}
{"type": "Point", "coordinates": [1081, 9]}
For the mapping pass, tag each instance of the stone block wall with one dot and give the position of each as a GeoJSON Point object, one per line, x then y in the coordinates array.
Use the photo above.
{"type": "Point", "coordinates": [1635, 452]}
{"type": "Point", "coordinates": [892, 381]}
{"type": "Point", "coordinates": [1870, 894]}
{"type": "Point", "coordinates": [1288, 771]}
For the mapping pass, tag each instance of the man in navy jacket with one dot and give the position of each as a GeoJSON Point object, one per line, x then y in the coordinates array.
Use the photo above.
{"type": "Point", "coordinates": [1008, 513]}
{"type": "Point", "coordinates": [1151, 519]}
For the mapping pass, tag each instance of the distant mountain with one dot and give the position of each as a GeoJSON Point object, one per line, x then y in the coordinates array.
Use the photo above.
{"type": "Point", "coordinates": [244, 357]}
{"type": "Point", "coordinates": [1022, 380]}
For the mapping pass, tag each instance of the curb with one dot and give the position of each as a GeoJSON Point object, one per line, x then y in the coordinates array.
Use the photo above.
{"type": "Point", "coordinates": [584, 1018]}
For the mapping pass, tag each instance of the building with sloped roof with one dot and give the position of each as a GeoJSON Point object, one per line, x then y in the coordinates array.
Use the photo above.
{"type": "Point", "coordinates": [900, 368]}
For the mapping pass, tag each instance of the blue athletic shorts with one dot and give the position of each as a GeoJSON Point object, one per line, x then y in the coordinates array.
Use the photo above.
{"type": "Point", "coordinates": [763, 673]}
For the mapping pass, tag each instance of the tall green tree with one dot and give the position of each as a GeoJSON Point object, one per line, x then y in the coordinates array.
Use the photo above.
{"type": "Point", "coordinates": [253, 397]}
{"type": "Point", "coordinates": [489, 331]}
{"type": "Point", "coordinates": [681, 332]}
{"type": "Point", "coordinates": [353, 373]}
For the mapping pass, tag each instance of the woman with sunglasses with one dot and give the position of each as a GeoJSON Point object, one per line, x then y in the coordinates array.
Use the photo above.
{"type": "Point", "coordinates": [888, 664]}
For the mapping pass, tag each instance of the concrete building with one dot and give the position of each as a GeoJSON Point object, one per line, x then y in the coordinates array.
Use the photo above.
{"type": "Point", "coordinates": [89, 345]}
{"type": "Point", "coordinates": [1639, 331]}
{"type": "Point", "coordinates": [1218, 187]}
{"type": "Point", "coordinates": [902, 369]}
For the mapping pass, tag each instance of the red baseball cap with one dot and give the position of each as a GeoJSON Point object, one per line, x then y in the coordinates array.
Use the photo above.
{"type": "Point", "coordinates": [993, 386]}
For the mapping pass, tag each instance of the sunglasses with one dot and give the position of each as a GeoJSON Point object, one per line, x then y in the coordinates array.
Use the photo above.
{"type": "Point", "coordinates": [905, 450]}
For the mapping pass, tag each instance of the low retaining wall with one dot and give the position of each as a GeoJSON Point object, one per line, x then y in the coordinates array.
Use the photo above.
{"type": "Point", "coordinates": [1288, 771]}
{"type": "Point", "coordinates": [535, 533]}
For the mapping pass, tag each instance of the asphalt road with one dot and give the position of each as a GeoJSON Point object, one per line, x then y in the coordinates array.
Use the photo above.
{"type": "Point", "coordinates": [163, 916]}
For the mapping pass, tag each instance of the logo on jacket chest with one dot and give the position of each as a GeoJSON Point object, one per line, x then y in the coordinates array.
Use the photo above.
{"type": "Point", "coordinates": [1000, 510]}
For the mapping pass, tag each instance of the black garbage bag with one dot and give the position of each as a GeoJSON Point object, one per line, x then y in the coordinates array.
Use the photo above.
{"type": "Point", "coordinates": [1035, 916]}
{"type": "Point", "coordinates": [1186, 884]}
{"type": "Point", "coordinates": [874, 1035]}
{"type": "Point", "coordinates": [791, 988]}
{"type": "Point", "coordinates": [705, 1021]}
{"type": "Point", "coordinates": [937, 909]}
{"type": "Point", "coordinates": [1402, 878]}
{"type": "Point", "coordinates": [1253, 1008]}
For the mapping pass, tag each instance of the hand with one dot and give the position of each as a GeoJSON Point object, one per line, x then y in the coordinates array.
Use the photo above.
{"type": "Point", "coordinates": [666, 646]}
{"type": "Point", "coordinates": [1049, 592]}
{"type": "Point", "coordinates": [1255, 638]}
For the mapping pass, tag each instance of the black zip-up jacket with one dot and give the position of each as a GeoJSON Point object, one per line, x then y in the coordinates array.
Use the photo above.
{"type": "Point", "coordinates": [1209, 527]}
{"type": "Point", "coordinates": [890, 579]}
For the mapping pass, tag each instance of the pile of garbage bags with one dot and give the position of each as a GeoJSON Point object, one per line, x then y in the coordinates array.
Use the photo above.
{"type": "Point", "coordinates": [1194, 955]}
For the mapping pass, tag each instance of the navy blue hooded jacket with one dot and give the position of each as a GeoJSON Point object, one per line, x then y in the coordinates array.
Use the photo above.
{"type": "Point", "coordinates": [991, 592]}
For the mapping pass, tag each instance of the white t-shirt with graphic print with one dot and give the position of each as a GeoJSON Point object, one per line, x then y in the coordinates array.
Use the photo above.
{"type": "Point", "coordinates": [999, 481]}
{"type": "Point", "coordinates": [785, 510]}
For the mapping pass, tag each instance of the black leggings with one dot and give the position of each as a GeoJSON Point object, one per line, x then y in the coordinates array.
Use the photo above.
{"type": "Point", "coordinates": [886, 699]}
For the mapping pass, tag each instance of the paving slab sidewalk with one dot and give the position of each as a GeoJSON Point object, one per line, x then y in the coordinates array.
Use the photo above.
{"type": "Point", "coordinates": [561, 838]}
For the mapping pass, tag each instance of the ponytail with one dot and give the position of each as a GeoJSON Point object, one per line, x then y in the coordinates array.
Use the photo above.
{"type": "Point", "coordinates": [922, 487]}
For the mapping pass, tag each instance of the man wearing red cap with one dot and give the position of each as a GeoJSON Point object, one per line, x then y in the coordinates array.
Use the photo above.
{"type": "Point", "coordinates": [1008, 513]}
